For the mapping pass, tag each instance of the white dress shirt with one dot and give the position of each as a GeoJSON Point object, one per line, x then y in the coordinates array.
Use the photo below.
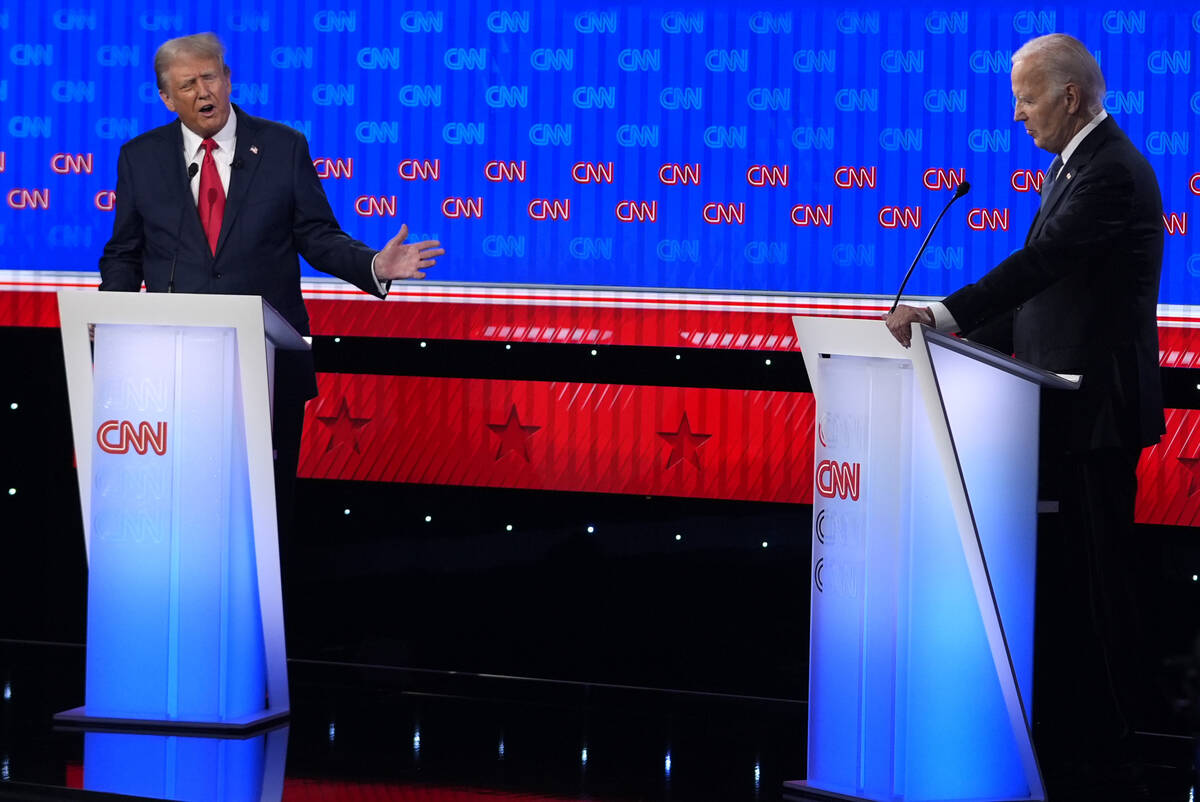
{"type": "Point", "coordinates": [193, 153]}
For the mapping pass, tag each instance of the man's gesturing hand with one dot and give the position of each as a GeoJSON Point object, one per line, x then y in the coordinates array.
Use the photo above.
{"type": "Point", "coordinates": [400, 259]}
{"type": "Point", "coordinates": [900, 322]}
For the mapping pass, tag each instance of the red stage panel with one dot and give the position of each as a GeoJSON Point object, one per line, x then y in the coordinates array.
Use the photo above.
{"type": "Point", "coordinates": [605, 438]}
{"type": "Point", "coordinates": [1169, 474]}
{"type": "Point", "coordinates": [755, 440]}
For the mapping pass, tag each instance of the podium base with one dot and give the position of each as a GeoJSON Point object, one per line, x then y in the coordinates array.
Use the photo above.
{"type": "Point", "coordinates": [800, 791]}
{"type": "Point", "coordinates": [78, 718]}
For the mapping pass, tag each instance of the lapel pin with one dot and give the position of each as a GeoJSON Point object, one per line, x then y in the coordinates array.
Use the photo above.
{"type": "Point", "coordinates": [1068, 176]}
{"type": "Point", "coordinates": [254, 150]}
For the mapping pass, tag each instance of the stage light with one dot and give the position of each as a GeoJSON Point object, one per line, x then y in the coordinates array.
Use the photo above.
{"type": "Point", "coordinates": [583, 757]}
{"type": "Point", "coordinates": [346, 511]}
{"type": "Point", "coordinates": [508, 346]}
{"type": "Point", "coordinates": [764, 544]}
{"type": "Point", "coordinates": [332, 732]}
{"type": "Point", "coordinates": [768, 362]}
{"type": "Point", "coordinates": [337, 339]}
{"type": "Point", "coordinates": [12, 491]}
{"type": "Point", "coordinates": [679, 537]}
{"type": "Point", "coordinates": [428, 519]}
{"type": "Point", "coordinates": [417, 742]}
{"type": "Point", "coordinates": [422, 343]}
{"type": "Point", "coordinates": [4, 769]}
{"type": "Point", "coordinates": [757, 775]}
{"type": "Point", "coordinates": [508, 527]}
{"type": "Point", "coordinates": [7, 691]}
{"type": "Point", "coordinates": [593, 352]}
{"type": "Point", "coordinates": [679, 356]}
{"type": "Point", "coordinates": [13, 405]}
{"type": "Point", "coordinates": [500, 750]}
{"type": "Point", "coordinates": [667, 766]}
{"type": "Point", "coordinates": [591, 530]}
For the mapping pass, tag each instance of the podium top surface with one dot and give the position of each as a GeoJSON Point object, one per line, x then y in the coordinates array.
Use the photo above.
{"type": "Point", "coordinates": [1002, 361]}
{"type": "Point", "coordinates": [871, 338]}
{"type": "Point", "coordinates": [181, 309]}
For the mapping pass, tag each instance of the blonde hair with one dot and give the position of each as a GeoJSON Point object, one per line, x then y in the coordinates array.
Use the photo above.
{"type": "Point", "coordinates": [202, 45]}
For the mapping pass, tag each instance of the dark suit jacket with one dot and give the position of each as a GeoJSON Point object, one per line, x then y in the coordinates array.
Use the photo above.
{"type": "Point", "coordinates": [275, 210]}
{"type": "Point", "coordinates": [1083, 294]}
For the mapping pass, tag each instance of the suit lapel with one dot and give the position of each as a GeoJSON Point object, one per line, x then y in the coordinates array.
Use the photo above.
{"type": "Point", "coordinates": [190, 228]}
{"type": "Point", "coordinates": [1077, 166]}
{"type": "Point", "coordinates": [246, 157]}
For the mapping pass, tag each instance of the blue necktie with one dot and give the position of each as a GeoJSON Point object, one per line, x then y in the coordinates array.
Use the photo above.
{"type": "Point", "coordinates": [1051, 177]}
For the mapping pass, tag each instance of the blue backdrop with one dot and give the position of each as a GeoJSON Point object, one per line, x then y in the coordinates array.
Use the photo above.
{"type": "Point", "coordinates": [630, 145]}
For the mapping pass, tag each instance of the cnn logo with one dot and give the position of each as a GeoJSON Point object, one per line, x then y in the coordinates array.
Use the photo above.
{"type": "Point", "coordinates": [117, 437]}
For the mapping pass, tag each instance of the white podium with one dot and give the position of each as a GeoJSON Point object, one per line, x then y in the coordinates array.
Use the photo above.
{"type": "Point", "coordinates": [171, 415]}
{"type": "Point", "coordinates": [924, 549]}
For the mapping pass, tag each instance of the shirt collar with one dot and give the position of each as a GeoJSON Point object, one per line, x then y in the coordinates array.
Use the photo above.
{"type": "Point", "coordinates": [1073, 145]}
{"type": "Point", "coordinates": [225, 138]}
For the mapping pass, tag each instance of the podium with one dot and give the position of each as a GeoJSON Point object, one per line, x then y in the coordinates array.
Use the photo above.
{"type": "Point", "coordinates": [171, 412]}
{"type": "Point", "coordinates": [923, 566]}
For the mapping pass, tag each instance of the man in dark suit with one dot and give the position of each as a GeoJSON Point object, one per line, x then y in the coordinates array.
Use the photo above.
{"type": "Point", "coordinates": [222, 202]}
{"type": "Point", "coordinates": [1081, 298]}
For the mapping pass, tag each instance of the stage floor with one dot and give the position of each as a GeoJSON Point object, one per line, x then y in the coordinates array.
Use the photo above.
{"type": "Point", "coordinates": [366, 733]}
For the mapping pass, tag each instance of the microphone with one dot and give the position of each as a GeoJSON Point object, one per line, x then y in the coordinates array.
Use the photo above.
{"type": "Point", "coordinates": [963, 189]}
{"type": "Point", "coordinates": [193, 168]}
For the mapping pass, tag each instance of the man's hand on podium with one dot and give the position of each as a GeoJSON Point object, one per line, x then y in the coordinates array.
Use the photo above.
{"type": "Point", "coordinates": [900, 322]}
{"type": "Point", "coordinates": [400, 259]}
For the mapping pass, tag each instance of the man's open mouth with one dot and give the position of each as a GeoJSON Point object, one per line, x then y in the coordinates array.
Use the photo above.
{"type": "Point", "coordinates": [207, 108]}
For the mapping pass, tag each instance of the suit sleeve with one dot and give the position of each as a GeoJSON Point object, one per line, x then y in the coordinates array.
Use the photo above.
{"type": "Point", "coordinates": [121, 262]}
{"type": "Point", "coordinates": [318, 237]}
{"type": "Point", "coordinates": [1083, 231]}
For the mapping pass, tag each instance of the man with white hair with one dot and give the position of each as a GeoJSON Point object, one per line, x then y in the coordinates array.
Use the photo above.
{"type": "Point", "coordinates": [1080, 297]}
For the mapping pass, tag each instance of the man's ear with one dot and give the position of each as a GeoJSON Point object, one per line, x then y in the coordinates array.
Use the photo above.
{"type": "Point", "coordinates": [1071, 94]}
{"type": "Point", "coordinates": [170, 104]}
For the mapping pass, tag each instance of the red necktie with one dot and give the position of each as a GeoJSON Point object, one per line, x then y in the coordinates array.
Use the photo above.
{"type": "Point", "coordinates": [211, 200]}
